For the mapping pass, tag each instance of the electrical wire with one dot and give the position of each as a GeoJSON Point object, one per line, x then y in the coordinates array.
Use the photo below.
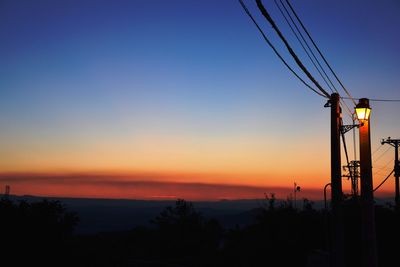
{"type": "Point", "coordinates": [385, 100]}
{"type": "Point", "coordinates": [302, 45]}
{"type": "Point", "coordinates": [276, 51]}
{"type": "Point", "coordinates": [308, 46]}
{"type": "Point", "coordinates": [331, 85]}
{"type": "Point", "coordinates": [376, 188]}
{"type": "Point", "coordinates": [354, 138]}
{"type": "Point", "coordinates": [344, 144]}
{"type": "Point", "coordinates": [314, 60]}
{"type": "Point", "coordinates": [377, 100]}
{"type": "Point", "coordinates": [347, 109]}
{"type": "Point", "coordinates": [384, 167]}
{"type": "Point", "coordinates": [292, 53]}
{"type": "Point", "coordinates": [319, 51]}
{"type": "Point", "coordinates": [378, 158]}
{"type": "Point", "coordinates": [376, 150]}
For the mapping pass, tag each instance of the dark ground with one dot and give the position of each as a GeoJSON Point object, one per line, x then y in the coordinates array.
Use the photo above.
{"type": "Point", "coordinates": [95, 232]}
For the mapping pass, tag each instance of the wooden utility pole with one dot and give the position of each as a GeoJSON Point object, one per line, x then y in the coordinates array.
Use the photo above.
{"type": "Point", "coordinates": [337, 253]}
{"type": "Point", "coordinates": [395, 143]}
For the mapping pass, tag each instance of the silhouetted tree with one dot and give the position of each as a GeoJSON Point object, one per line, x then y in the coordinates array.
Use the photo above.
{"type": "Point", "coordinates": [38, 232]}
{"type": "Point", "coordinates": [185, 235]}
{"type": "Point", "coordinates": [183, 217]}
{"type": "Point", "coordinates": [308, 205]}
{"type": "Point", "coordinates": [279, 236]}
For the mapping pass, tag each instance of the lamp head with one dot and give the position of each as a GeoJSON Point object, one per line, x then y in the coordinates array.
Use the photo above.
{"type": "Point", "coordinates": [363, 110]}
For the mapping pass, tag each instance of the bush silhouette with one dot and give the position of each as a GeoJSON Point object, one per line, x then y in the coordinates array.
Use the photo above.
{"type": "Point", "coordinates": [39, 232]}
{"type": "Point", "coordinates": [185, 235]}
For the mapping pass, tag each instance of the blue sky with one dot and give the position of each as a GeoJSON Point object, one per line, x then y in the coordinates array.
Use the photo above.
{"type": "Point", "coordinates": [76, 75]}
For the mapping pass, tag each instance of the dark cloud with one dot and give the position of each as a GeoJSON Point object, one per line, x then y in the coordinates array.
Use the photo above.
{"type": "Point", "coordinates": [155, 188]}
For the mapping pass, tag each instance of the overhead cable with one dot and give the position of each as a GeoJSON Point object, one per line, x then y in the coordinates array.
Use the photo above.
{"type": "Point", "coordinates": [313, 61]}
{"type": "Point", "coordinates": [384, 167]}
{"type": "Point", "coordinates": [276, 51]}
{"type": "Point", "coordinates": [376, 100]}
{"type": "Point", "coordinates": [319, 51]}
{"type": "Point", "coordinates": [344, 144]}
{"type": "Point", "coordinates": [376, 188]}
{"type": "Point", "coordinates": [292, 53]}
{"type": "Point", "coordinates": [354, 138]}
{"type": "Point", "coordinates": [377, 149]}
{"type": "Point", "coordinates": [380, 156]}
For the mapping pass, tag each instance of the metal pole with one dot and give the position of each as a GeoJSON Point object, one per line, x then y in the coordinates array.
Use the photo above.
{"type": "Point", "coordinates": [337, 254]}
{"type": "Point", "coordinates": [326, 204]}
{"type": "Point", "coordinates": [328, 244]}
{"type": "Point", "coordinates": [395, 144]}
{"type": "Point", "coordinates": [369, 256]}
{"type": "Point", "coordinates": [294, 192]}
{"type": "Point", "coordinates": [397, 174]}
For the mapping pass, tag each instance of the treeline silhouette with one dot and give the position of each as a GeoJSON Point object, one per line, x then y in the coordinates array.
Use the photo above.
{"type": "Point", "coordinates": [34, 234]}
{"type": "Point", "coordinates": [41, 234]}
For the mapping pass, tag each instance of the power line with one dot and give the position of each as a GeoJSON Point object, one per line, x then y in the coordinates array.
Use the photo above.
{"type": "Point", "coordinates": [347, 109]}
{"type": "Point", "coordinates": [301, 43]}
{"type": "Point", "coordinates": [376, 100]}
{"type": "Point", "coordinates": [378, 158]}
{"type": "Point", "coordinates": [385, 100]}
{"type": "Point", "coordinates": [376, 150]}
{"type": "Point", "coordinates": [299, 63]}
{"type": "Point", "coordinates": [376, 188]}
{"type": "Point", "coordinates": [319, 51]}
{"type": "Point", "coordinates": [314, 61]}
{"type": "Point", "coordinates": [276, 52]}
{"type": "Point", "coordinates": [381, 169]}
{"type": "Point", "coordinates": [354, 138]}
{"type": "Point", "coordinates": [306, 43]}
{"type": "Point", "coordinates": [344, 145]}
{"type": "Point", "coordinates": [326, 77]}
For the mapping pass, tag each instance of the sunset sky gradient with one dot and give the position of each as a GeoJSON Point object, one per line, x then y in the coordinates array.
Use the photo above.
{"type": "Point", "coordinates": [167, 99]}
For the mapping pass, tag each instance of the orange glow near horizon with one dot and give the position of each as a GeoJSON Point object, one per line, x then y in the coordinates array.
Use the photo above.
{"type": "Point", "coordinates": [252, 159]}
{"type": "Point", "coordinates": [151, 186]}
{"type": "Point", "coordinates": [138, 186]}
{"type": "Point", "coordinates": [234, 160]}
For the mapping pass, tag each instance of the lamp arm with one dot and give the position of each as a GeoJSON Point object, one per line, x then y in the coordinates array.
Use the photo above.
{"type": "Point", "coordinates": [345, 128]}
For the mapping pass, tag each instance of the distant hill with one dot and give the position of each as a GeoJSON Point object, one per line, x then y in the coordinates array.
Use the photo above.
{"type": "Point", "coordinates": [106, 215]}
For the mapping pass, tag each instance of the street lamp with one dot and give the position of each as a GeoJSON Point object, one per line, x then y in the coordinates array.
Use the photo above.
{"type": "Point", "coordinates": [363, 110]}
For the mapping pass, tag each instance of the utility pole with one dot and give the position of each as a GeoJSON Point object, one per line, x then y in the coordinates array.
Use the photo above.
{"type": "Point", "coordinates": [337, 253]}
{"type": "Point", "coordinates": [369, 251]}
{"type": "Point", "coordinates": [7, 191]}
{"type": "Point", "coordinates": [295, 189]}
{"type": "Point", "coordinates": [395, 143]}
{"type": "Point", "coordinates": [353, 175]}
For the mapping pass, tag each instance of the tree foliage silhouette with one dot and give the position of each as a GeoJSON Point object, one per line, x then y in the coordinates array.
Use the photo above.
{"type": "Point", "coordinates": [180, 236]}
{"type": "Point", "coordinates": [183, 229]}
{"type": "Point", "coordinates": [37, 231]}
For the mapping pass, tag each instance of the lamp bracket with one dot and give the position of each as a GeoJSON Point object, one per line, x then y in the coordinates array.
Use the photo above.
{"type": "Point", "coordinates": [345, 128]}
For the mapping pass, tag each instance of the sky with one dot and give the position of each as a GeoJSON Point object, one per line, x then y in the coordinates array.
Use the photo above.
{"type": "Point", "coordinates": [167, 99]}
